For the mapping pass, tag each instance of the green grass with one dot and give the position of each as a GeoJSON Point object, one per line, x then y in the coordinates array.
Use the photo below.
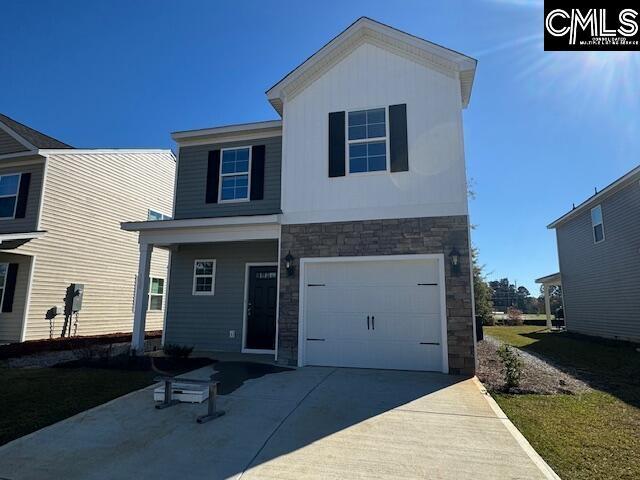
{"type": "Point", "coordinates": [33, 398]}
{"type": "Point", "coordinates": [593, 435]}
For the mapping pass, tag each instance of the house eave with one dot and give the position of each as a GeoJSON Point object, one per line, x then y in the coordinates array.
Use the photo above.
{"type": "Point", "coordinates": [200, 222]}
{"type": "Point", "coordinates": [229, 132]}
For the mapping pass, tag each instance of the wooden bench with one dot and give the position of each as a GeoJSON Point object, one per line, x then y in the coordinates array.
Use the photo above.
{"type": "Point", "coordinates": [212, 413]}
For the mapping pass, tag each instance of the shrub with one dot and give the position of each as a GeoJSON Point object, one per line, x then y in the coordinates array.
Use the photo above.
{"type": "Point", "coordinates": [177, 351]}
{"type": "Point", "coordinates": [514, 316]}
{"type": "Point", "coordinates": [511, 366]}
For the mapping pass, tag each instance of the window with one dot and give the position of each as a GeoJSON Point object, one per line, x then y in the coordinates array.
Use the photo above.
{"type": "Point", "coordinates": [597, 225]}
{"type": "Point", "coordinates": [234, 174]}
{"type": "Point", "coordinates": [204, 274]}
{"type": "Point", "coordinates": [3, 280]}
{"type": "Point", "coordinates": [156, 293]}
{"type": "Point", "coordinates": [9, 185]}
{"type": "Point", "coordinates": [364, 126]}
{"type": "Point", "coordinates": [153, 215]}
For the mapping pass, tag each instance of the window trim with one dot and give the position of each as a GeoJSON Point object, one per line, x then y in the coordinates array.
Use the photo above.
{"type": "Point", "coordinates": [594, 225]}
{"type": "Point", "coordinates": [17, 194]}
{"type": "Point", "coordinates": [212, 276]}
{"type": "Point", "coordinates": [367, 140]}
{"type": "Point", "coordinates": [164, 282]}
{"type": "Point", "coordinates": [4, 285]}
{"type": "Point", "coordinates": [222, 175]}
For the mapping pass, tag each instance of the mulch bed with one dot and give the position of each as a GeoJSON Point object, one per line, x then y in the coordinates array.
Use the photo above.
{"type": "Point", "coordinates": [71, 343]}
{"type": "Point", "coordinates": [538, 375]}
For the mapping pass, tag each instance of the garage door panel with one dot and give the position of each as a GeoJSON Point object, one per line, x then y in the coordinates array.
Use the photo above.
{"type": "Point", "coordinates": [404, 298]}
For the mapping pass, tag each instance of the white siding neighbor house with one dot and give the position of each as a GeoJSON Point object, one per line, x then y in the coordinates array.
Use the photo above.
{"type": "Point", "coordinates": [60, 212]}
{"type": "Point", "coordinates": [338, 234]}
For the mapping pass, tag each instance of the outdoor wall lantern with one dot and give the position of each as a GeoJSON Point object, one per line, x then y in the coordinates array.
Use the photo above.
{"type": "Point", "coordinates": [288, 264]}
{"type": "Point", "coordinates": [454, 258]}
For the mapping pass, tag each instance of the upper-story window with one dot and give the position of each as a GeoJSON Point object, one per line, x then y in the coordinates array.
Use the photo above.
{"type": "Point", "coordinates": [9, 185]}
{"type": "Point", "coordinates": [596, 224]}
{"type": "Point", "coordinates": [153, 215]}
{"type": "Point", "coordinates": [234, 174]}
{"type": "Point", "coordinates": [367, 140]}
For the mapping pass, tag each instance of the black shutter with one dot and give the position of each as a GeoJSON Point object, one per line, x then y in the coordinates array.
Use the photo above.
{"type": "Point", "coordinates": [23, 195]}
{"type": "Point", "coordinates": [398, 138]}
{"type": "Point", "coordinates": [213, 176]}
{"type": "Point", "coordinates": [257, 172]}
{"type": "Point", "coordinates": [10, 287]}
{"type": "Point", "coordinates": [336, 144]}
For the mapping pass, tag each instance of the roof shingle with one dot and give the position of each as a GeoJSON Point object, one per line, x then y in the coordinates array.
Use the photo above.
{"type": "Point", "coordinates": [34, 137]}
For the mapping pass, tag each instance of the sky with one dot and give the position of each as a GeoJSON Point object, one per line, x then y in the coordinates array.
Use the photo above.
{"type": "Point", "coordinates": [543, 129]}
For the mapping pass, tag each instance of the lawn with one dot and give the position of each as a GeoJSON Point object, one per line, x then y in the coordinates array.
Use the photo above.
{"type": "Point", "coordinates": [587, 436]}
{"type": "Point", "coordinates": [33, 398]}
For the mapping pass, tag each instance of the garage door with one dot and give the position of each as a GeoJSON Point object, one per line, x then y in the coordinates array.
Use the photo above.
{"type": "Point", "coordinates": [373, 314]}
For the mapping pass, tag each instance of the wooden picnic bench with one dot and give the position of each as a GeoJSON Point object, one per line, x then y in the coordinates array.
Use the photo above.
{"type": "Point", "coordinates": [168, 381]}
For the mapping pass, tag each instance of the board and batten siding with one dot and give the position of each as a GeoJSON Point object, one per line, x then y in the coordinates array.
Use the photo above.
{"type": "Point", "coordinates": [601, 282]}
{"type": "Point", "coordinates": [204, 321]}
{"type": "Point", "coordinates": [373, 77]}
{"type": "Point", "coordinates": [192, 181]}
{"type": "Point", "coordinates": [11, 322]}
{"type": "Point", "coordinates": [86, 196]}
{"type": "Point", "coordinates": [30, 221]}
{"type": "Point", "coordinates": [8, 144]}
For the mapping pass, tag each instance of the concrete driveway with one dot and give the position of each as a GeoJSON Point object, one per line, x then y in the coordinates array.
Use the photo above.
{"type": "Point", "coordinates": [308, 423]}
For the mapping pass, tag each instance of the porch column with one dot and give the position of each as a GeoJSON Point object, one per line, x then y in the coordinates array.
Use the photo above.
{"type": "Point", "coordinates": [547, 304]}
{"type": "Point", "coordinates": [141, 300]}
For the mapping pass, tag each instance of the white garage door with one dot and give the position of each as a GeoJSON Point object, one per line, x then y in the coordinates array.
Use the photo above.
{"type": "Point", "coordinates": [373, 314]}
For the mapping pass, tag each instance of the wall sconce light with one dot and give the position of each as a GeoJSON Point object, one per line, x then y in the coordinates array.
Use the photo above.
{"type": "Point", "coordinates": [454, 258]}
{"type": "Point", "coordinates": [288, 264]}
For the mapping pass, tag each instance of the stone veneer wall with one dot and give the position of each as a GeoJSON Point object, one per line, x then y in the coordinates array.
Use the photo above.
{"type": "Point", "coordinates": [383, 237]}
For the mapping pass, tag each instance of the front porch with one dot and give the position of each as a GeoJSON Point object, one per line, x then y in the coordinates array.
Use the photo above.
{"type": "Point", "coordinates": [221, 293]}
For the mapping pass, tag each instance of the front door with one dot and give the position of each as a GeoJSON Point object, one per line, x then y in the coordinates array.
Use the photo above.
{"type": "Point", "coordinates": [261, 308]}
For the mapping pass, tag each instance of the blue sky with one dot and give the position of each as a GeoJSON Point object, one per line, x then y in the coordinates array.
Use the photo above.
{"type": "Point", "coordinates": [542, 130]}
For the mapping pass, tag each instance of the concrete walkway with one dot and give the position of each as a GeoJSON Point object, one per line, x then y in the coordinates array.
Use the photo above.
{"type": "Point", "coordinates": [308, 423]}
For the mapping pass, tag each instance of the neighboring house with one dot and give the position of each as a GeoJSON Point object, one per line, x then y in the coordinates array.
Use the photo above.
{"type": "Point", "coordinates": [599, 256]}
{"type": "Point", "coordinates": [60, 210]}
{"type": "Point", "coordinates": [338, 235]}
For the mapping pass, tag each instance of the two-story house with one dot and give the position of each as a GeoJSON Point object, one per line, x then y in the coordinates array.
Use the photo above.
{"type": "Point", "coordinates": [338, 235]}
{"type": "Point", "coordinates": [66, 267]}
{"type": "Point", "coordinates": [599, 255]}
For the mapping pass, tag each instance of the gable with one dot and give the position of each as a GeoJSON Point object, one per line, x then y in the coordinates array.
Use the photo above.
{"type": "Point", "coordinates": [9, 144]}
{"type": "Point", "coordinates": [367, 31]}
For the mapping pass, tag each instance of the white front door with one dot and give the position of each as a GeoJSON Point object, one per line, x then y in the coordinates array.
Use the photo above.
{"type": "Point", "coordinates": [374, 313]}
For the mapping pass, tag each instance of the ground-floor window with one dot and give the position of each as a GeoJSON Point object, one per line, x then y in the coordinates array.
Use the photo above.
{"type": "Point", "coordinates": [156, 293]}
{"type": "Point", "coordinates": [204, 274]}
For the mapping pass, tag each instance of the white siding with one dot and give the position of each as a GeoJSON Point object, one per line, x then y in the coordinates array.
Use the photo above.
{"type": "Point", "coordinates": [372, 77]}
{"type": "Point", "coordinates": [86, 196]}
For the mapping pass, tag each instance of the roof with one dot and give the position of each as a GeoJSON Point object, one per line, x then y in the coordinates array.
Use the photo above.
{"type": "Point", "coordinates": [367, 30]}
{"type": "Point", "coordinates": [32, 136]}
{"type": "Point", "coordinates": [239, 128]}
{"type": "Point", "coordinates": [590, 202]}
{"type": "Point", "coordinates": [553, 278]}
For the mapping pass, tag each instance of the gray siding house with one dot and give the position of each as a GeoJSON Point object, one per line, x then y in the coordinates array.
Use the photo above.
{"type": "Point", "coordinates": [599, 256]}
{"type": "Point", "coordinates": [337, 234]}
{"type": "Point", "coordinates": [60, 210]}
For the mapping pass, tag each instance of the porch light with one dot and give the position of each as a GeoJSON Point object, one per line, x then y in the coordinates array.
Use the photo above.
{"type": "Point", "coordinates": [454, 258]}
{"type": "Point", "coordinates": [288, 264]}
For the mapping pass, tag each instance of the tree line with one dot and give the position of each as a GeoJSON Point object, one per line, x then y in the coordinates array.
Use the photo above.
{"type": "Point", "coordinates": [500, 295]}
